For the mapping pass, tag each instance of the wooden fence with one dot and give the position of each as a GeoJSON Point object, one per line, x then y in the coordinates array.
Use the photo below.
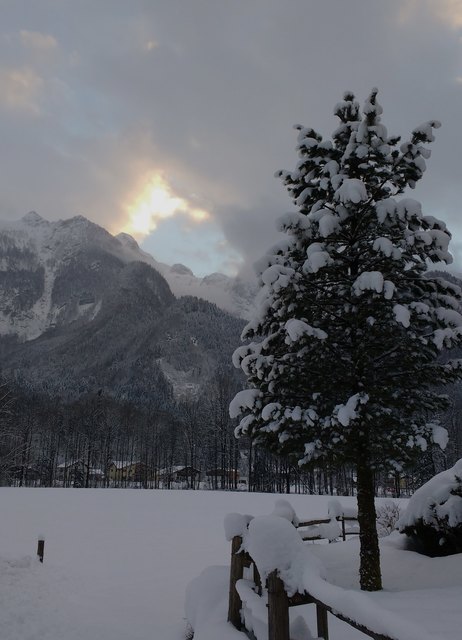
{"type": "Point", "coordinates": [341, 519]}
{"type": "Point", "coordinates": [279, 602]}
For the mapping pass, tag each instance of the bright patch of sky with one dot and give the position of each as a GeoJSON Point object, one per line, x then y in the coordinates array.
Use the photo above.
{"type": "Point", "coordinates": [156, 201]}
{"type": "Point", "coordinates": [201, 247]}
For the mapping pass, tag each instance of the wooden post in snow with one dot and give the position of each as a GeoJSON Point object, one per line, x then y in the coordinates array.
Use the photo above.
{"type": "Point", "coordinates": [321, 619]}
{"type": "Point", "coordinates": [41, 548]}
{"type": "Point", "coordinates": [238, 562]}
{"type": "Point", "coordinates": [257, 579]}
{"type": "Point", "coordinates": [278, 609]}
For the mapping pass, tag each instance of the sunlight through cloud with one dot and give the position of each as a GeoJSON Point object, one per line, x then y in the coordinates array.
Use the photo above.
{"type": "Point", "coordinates": [156, 202]}
{"type": "Point", "coordinates": [151, 45]}
{"type": "Point", "coordinates": [448, 11]}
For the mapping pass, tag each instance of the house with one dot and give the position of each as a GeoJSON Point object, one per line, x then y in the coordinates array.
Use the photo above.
{"type": "Point", "coordinates": [27, 474]}
{"type": "Point", "coordinates": [179, 473]}
{"type": "Point", "coordinates": [78, 473]}
{"type": "Point", "coordinates": [129, 471]}
{"type": "Point", "coordinates": [70, 471]}
{"type": "Point", "coordinates": [224, 475]}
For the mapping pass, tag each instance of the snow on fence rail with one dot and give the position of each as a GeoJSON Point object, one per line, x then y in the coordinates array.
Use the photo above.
{"type": "Point", "coordinates": [324, 533]}
{"type": "Point", "coordinates": [331, 528]}
{"type": "Point", "coordinates": [260, 604]}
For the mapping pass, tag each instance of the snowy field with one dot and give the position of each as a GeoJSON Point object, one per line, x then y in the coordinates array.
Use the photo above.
{"type": "Point", "coordinates": [117, 564]}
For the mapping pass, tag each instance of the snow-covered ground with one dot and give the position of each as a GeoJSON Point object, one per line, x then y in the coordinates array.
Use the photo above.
{"type": "Point", "coordinates": [118, 562]}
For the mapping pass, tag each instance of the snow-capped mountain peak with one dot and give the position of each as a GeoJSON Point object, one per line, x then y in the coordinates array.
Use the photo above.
{"type": "Point", "coordinates": [33, 219]}
{"type": "Point", "coordinates": [53, 273]}
{"type": "Point", "coordinates": [128, 241]}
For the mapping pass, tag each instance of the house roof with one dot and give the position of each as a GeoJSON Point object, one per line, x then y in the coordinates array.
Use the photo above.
{"type": "Point", "coordinates": [178, 469]}
{"type": "Point", "coordinates": [69, 463]}
{"type": "Point", "coordinates": [123, 464]}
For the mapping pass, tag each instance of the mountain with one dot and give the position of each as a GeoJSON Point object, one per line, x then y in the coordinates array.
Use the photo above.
{"type": "Point", "coordinates": [40, 286]}
{"type": "Point", "coordinates": [81, 309]}
{"type": "Point", "coordinates": [231, 294]}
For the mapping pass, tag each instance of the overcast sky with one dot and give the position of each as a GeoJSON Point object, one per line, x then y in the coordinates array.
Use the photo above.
{"type": "Point", "coordinates": [168, 118]}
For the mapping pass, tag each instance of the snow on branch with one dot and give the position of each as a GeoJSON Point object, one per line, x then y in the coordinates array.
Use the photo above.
{"type": "Point", "coordinates": [351, 190]}
{"type": "Point", "coordinates": [297, 329]}
{"type": "Point", "coordinates": [368, 281]}
{"type": "Point", "coordinates": [245, 399]}
{"type": "Point", "coordinates": [345, 413]}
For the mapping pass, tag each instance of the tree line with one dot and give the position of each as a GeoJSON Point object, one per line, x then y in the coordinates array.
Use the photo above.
{"type": "Point", "coordinates": [49, 442]}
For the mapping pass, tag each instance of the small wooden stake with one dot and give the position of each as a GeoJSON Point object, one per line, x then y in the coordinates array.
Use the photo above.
{"type": "Point", "coordinates": [41, 549]}
{"type": "Point", "coordinates": [278, 609]}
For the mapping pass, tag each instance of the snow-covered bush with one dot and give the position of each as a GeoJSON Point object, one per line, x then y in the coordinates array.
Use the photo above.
{"type": "Point", "coordinates": [433, 518]}
{"type": "Point", "coordinates": [388, 514]}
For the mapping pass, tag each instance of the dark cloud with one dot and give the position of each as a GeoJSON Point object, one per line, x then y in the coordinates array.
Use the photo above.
{"type": "Point", "coordinates": [206, 92]}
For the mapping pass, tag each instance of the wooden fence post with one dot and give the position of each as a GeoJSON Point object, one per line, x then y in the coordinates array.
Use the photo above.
{"type": "Point", "coordinates": [321, 619]}
{"type": "Point", "coordinates": [343, 529]}
{"type": "Point", "coordinates": [238, 562]}
{"type": "Point", "coordinates": [278, 609]}
{"type": "Point", "coordinates": [41, 549]}
{"type": "Point", "coordinates": [257, 579]}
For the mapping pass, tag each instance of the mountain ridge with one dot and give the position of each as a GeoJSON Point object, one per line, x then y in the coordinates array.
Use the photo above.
{"type": "Point", "coordinates": [37, 251]}
{"type": "Point", "coordinates": [79, 311]}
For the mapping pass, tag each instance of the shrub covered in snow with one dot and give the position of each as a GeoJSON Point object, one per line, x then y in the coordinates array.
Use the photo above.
{"type": "Point", "coordinates": [433, 518]}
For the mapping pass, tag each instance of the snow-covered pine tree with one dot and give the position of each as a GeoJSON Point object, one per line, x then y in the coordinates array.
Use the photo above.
{"type": "Point", "coordinates": [344, 358]}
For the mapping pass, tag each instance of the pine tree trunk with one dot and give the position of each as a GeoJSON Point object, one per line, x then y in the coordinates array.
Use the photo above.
{"type": "Point", "coordinates": [369, 569]}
